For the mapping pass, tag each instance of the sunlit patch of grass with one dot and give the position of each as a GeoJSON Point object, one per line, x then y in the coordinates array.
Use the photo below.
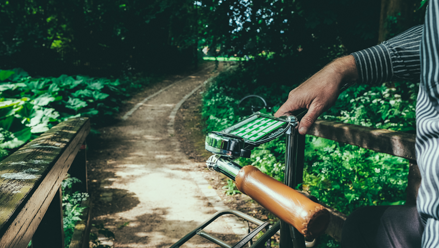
{"type": "Point", "coordinates": [224, 58]}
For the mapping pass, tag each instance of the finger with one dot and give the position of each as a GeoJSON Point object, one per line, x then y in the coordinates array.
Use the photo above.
{"type": "Point", "coordinates": [313, 113]}
{"type": "Point", "coordinates": [288, 107]}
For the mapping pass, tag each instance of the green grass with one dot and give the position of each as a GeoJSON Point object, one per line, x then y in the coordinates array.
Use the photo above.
{"type": "Point", "coordinates": [224, 58]}
{"type": "Point", "coordinates": [269, 55]}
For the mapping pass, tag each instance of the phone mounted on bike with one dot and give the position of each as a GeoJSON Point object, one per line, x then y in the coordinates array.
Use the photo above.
{"type": "Point", "coordinates": [239, 139]}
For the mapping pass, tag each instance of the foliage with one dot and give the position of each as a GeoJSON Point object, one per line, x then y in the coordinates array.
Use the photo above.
{"type": "Point", "coordinates": [72, 209]}
{"type": "Point", "coordinates": [231, 188]}
{"type": "Point", "coordinates": [284, 27]}
{"type": "Point", "coordinates": [343, 176]}
{"type": "Point", "coordinates": [97, 37]}
{"type": "Point", "coordinates": [250, 27]}
{"type": "Point", "coordinates": [30, 106]}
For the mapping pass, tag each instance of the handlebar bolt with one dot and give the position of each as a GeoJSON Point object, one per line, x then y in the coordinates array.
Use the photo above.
{"type": "Point", "coordinates": [245, 153]}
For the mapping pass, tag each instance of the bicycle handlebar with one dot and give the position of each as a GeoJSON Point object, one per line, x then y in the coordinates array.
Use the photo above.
{"type": "Point", "coordinates": [309, 218]}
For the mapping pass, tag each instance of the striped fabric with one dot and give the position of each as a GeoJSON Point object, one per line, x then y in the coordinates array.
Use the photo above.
{"type": "Point", "coordinates": [397, 58]}
{"type": "Point", "coordinates": [427, 127]}
{"type": "Point", "coordinates": [414, 55]}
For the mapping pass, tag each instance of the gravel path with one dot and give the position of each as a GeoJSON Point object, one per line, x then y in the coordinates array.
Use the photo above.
{"type": "Point", "coordinates": [146, 191]}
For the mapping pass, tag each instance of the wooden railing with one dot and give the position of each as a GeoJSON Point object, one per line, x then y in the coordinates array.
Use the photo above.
{"type": "Point", "coordinates": [399, 144]}
{"type": "Point", "coordinates": [30, 180]}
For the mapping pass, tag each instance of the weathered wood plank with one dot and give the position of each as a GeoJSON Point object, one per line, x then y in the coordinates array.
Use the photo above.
{"type": "Point", "coordinates": [336, 222]}
{"type": "Point", "coordinates": [30, 178]}
{"type": "Point", "coordinates": [386, 141]}
{"type": "Point", "coordinates": [50, 232]}
{"type": "Point", "coordinates": [80, 237]}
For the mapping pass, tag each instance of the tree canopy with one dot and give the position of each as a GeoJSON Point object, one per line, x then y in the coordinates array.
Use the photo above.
{"type": "Point", "coordinates": [98, 36]}
{"type": "Point", "coordinates": [43, 36]}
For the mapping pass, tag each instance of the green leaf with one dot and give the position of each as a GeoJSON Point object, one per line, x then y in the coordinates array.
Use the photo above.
{"type": "Point", "coordinates": [36, 85]}
{"type": "Point", "coordinates": [6, 123]}
{"type": "Point", "coordinates": [17, 139]}
{"type": "Point", "coordinates": [63, 80]}
{"type": "Point", "coordinates": [114, 83]}
{"type": "Point", "coordinates": [26, 111]}
{"type": "Point", "coordinates": [96, 86]}
{"type": "Point", "coordinates": [43, 116]}
{"type": "Point", "coordinates": [5, 74]}
{"type": "Point", "coordinates": [89, 112]}
{"type": "Point", "coordinates": [43, 100]}
{"type": "Point", "coordinates": [76, 104]}
{"type": "Point", "coordinates": [75, 83]}
{"type": "Point", "coordinates": [83, 78]}
{"type": "Point", "coordinates": [54, 88]}
{"type": "Point", "coordinates": [40, 128]}
{"type": "Point", "coordinates": [19, 74]}
{"type": "Point", "coordinates": [7, 86]}
{"type": "Point", "coordinates": [83, 93]}
{"type": "Point", "coordinates": [14, 133]}
{"type": "Point", "coordinates": [99, 96]}
{"type": "Point", "coordinates": [9, 107]}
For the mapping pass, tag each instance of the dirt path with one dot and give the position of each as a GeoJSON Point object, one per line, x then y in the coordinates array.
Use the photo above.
{"type": "Point", "coordinates": [145, 190]}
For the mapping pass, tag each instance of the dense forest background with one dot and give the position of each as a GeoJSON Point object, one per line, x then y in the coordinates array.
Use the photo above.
{"type": "Point", "coordinates": [98, 37]}
{"type": "Point", "coordinates": [48, 37]}
{"type": "Point", "coordinates": [62, 59]}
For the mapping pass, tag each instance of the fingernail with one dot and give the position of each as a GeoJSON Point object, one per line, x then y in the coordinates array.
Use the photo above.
{"type": "Point", "coordinates": [302, 130]}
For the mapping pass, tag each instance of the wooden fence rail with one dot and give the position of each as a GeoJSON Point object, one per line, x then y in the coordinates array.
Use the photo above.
{"type": "Point", "coordinates": [30, 180]}
{"type": "Point", "coordinates": [399, 144]}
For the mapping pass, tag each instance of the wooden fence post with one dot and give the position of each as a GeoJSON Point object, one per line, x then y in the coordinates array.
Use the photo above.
{"type": "Point", "coordinates": [79, 170]}
{"type": "Point", "coordinates": [414, 181]}
{"type": "Point", "coordinates": [50, 232]}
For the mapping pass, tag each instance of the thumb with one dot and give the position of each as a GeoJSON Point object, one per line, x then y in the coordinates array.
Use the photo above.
{"type": "Point", "coordinates": [314, 111]}
{"type": "Point", "coordinates": [289, 106]}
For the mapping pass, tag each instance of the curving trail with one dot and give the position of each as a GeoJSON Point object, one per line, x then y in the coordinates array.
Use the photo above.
{"type": "Point", "coordinates": [144, 189]}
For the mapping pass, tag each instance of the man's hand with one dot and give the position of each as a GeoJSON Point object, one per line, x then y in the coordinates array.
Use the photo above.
{"type": "Point", "coordinates": [320, 92]}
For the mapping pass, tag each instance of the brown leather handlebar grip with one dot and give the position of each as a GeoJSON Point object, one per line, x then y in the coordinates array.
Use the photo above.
{"type": "Point", "coordinates": [309, 218]}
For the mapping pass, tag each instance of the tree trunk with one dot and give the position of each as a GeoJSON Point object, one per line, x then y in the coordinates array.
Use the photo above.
{"type": "Point", "coordinates": [195, 49]}
{"type": "Point", "coordinates": [396, 16]}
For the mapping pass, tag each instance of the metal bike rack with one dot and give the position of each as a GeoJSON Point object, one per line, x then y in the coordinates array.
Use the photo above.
{"type": "Point", "coordinates": [262, 225]}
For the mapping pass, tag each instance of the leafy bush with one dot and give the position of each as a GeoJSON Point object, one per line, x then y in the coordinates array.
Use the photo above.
{"type": "Point", "coordinates": [343, 176]}
{"type": "Point", "coordinates": [30, 106]}
{"type": "Point", "coordinates": [340, 175]}
{"type": "Point", "coordinates": [72, 209]}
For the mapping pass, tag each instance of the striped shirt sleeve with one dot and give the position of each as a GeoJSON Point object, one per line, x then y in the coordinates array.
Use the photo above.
{"type": "Point", "coordinates": [427, 128]}
{"type": "Point", "coordinates": [394, 59]}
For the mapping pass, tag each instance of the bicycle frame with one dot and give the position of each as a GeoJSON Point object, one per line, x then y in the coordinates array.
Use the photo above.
{"type": "Point", "coordinates": [289, 236]}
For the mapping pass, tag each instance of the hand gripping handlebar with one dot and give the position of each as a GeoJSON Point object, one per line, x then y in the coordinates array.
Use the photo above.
{"type": "Point", "coordinates": [309, 218]}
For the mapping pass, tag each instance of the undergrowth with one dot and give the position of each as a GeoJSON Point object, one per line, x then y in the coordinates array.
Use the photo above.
{"type": "Point", "coordinates": [30, 106]}
{"type": "Point", "coordinates": [343, 176]}
{"type": "Point", "coordinates": [72, 207]}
